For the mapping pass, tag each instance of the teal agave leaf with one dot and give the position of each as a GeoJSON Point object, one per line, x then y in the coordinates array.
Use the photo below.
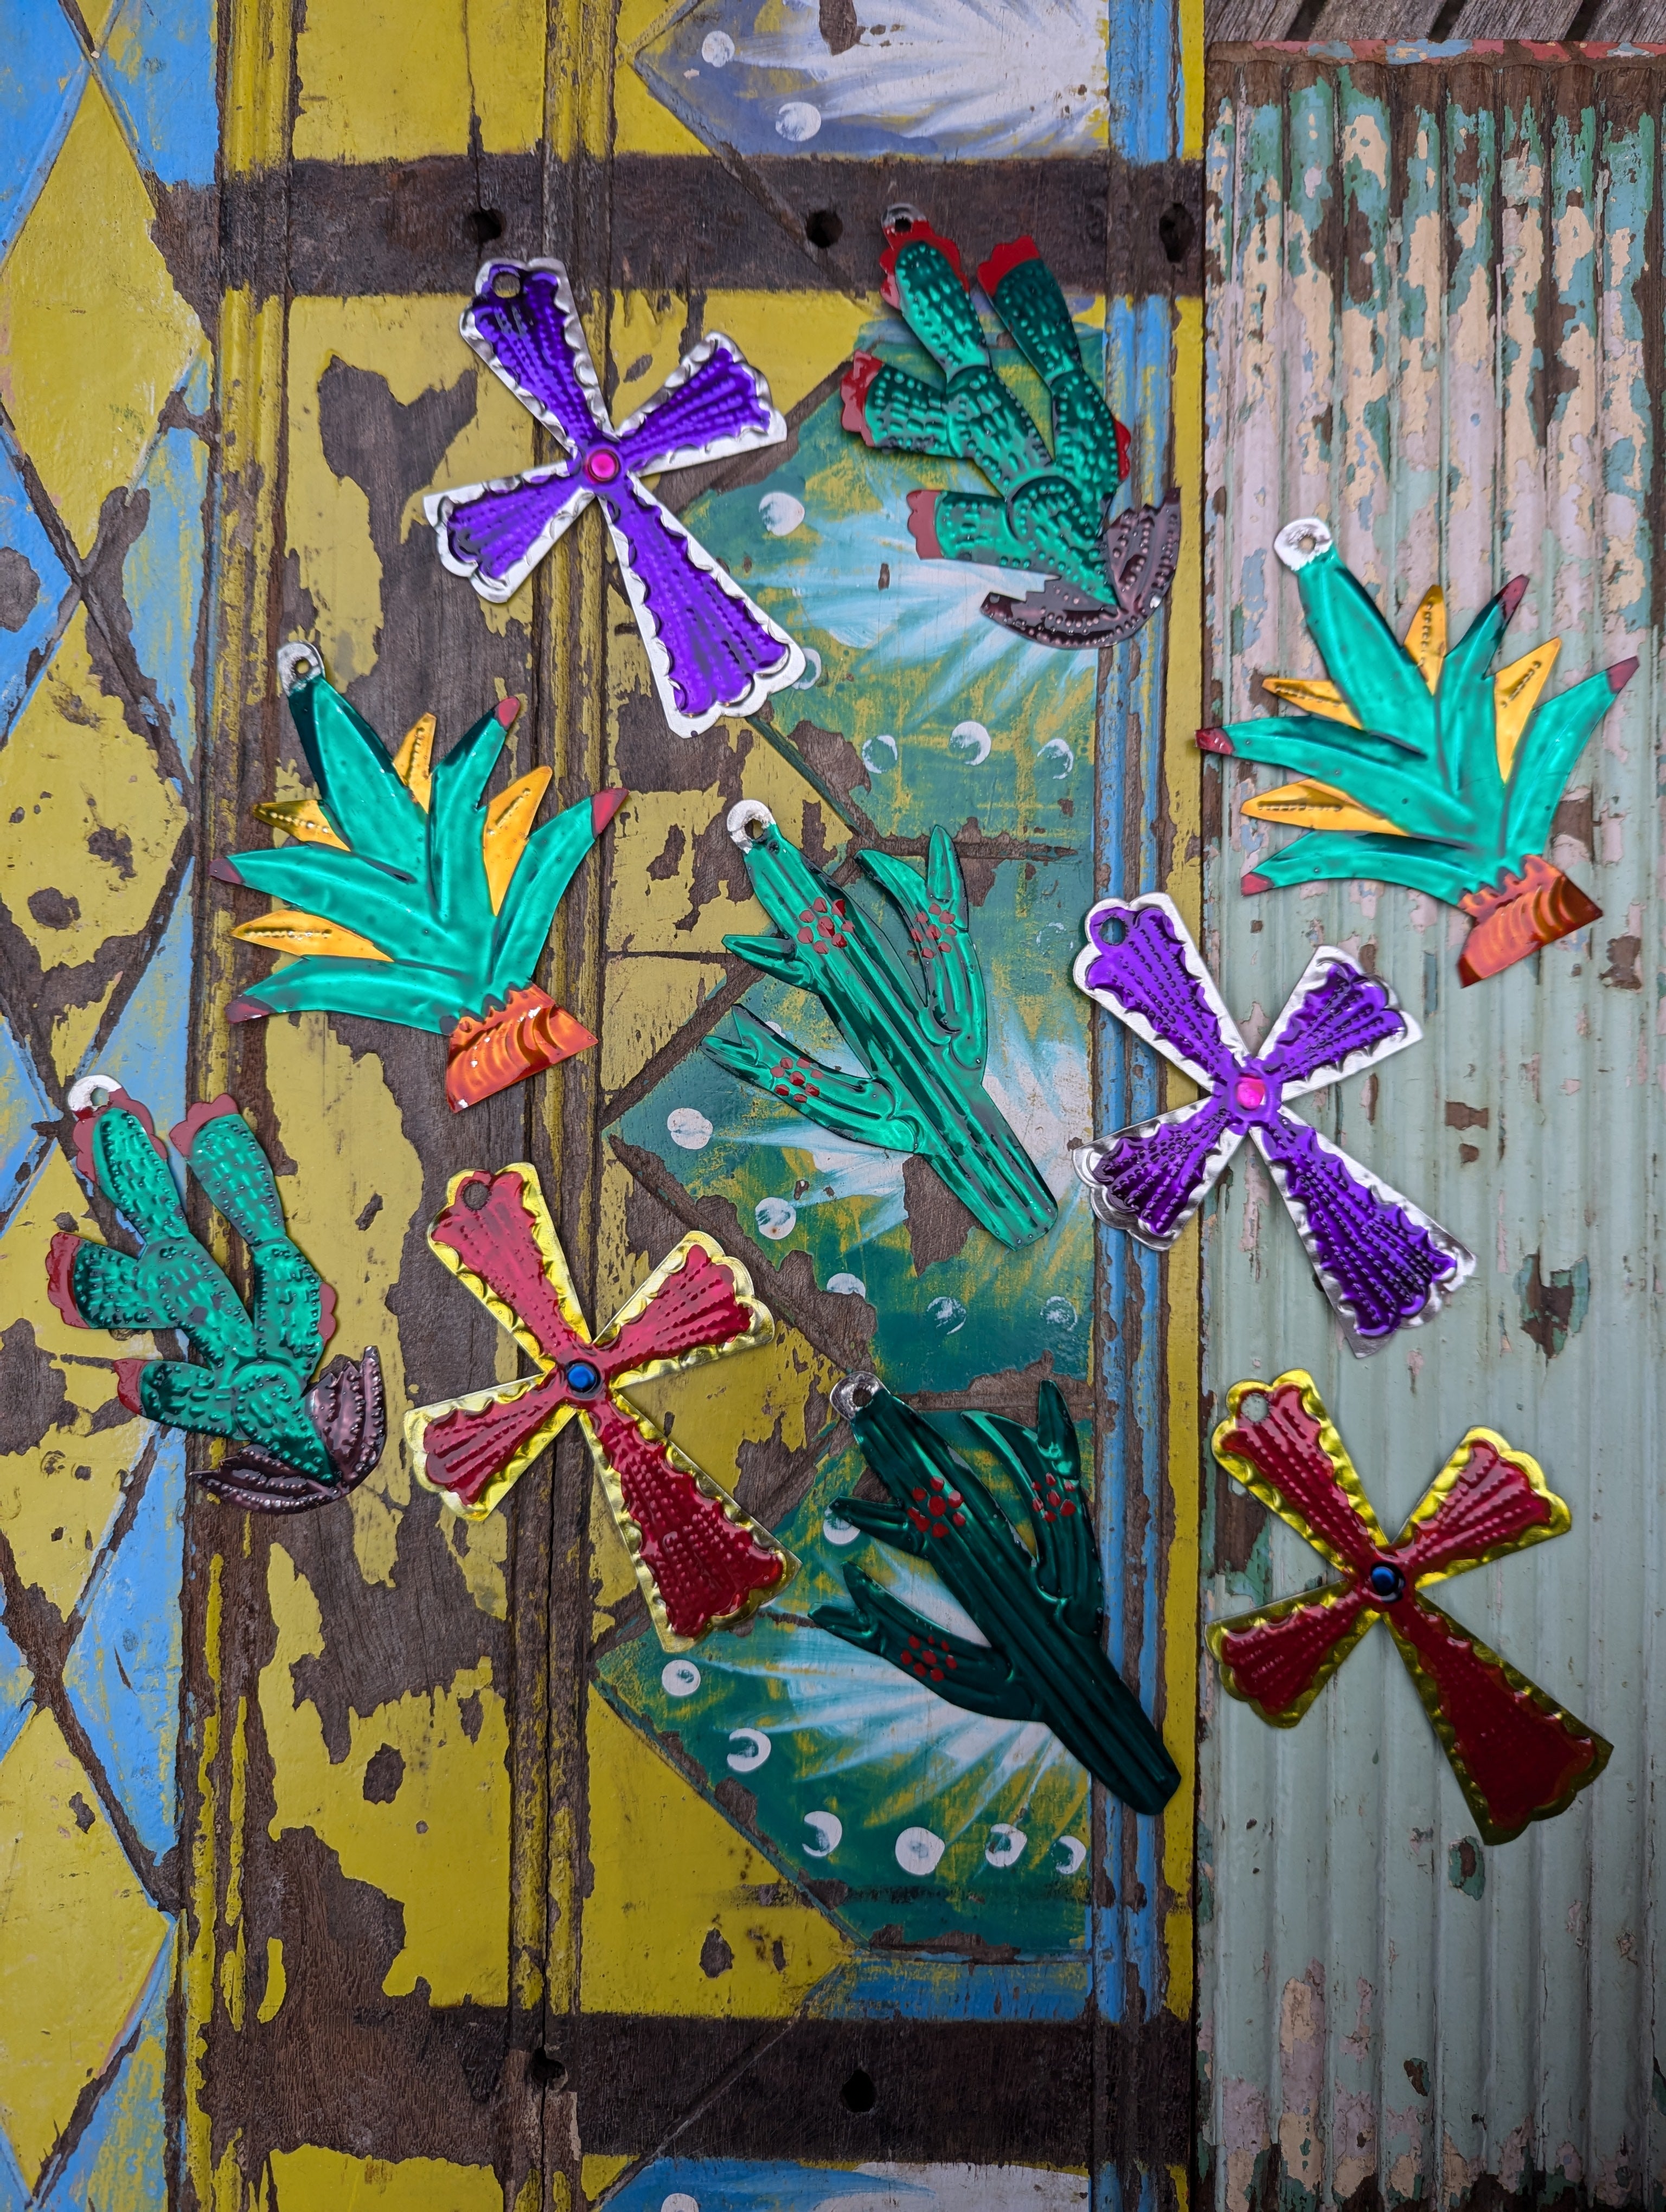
{"type": "Point", "coordinates": [1420, 765]}
{"type": "Point", "coordinates": [411, 896]}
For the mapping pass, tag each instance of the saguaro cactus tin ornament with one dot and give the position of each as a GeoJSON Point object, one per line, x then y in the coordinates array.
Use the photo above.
{"type": "Point", "coordinates": [1519, 1756]}
{"type": "Point", "coordinates": [425, 902]}
{"type": "Point", "coordinates": [1049, 511]}
{"type": "Point", "coordinates": [712, 651]}
{"type": "Point", "coordinates": [927, 1052]}
{"type": "Point", "coordinates": [701, 1562]}
{"type": "Point", "coordinates": [1040, 1603]}
{"type": "Point", "coordinates": [1381, 1261]}
{"type": "Point", "coordinates": [296, 1447]}
{"type": "Point", "coordinates": [1419, 765]}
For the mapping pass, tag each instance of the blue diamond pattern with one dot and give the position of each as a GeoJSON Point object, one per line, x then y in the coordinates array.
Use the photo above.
{"type": "Point", "coordinates": [162, 574]}
{"type": "Point", "coordinates": [147, 1054]}
{"type": "Point", "coordinates": [32, 580]}
{"type": "Point", "coordinates": [40, 85]}
{"type": "Point", "coordinates": [15, 1706]}
{"type": "Point", "coordinates": [123, 1677]}
{"type": "Point", "coordinates": [157, 66]}
{"type": "Point", "coordinates": [120, 2163]}
{"type": "Point", "coordinates": [22, 1104]}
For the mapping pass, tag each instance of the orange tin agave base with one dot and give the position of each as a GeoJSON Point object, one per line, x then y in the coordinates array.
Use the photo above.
{"type": "Point", "coordinates": [1522, 913]}
{"type": "Point", "coordinates": [486, 1055]}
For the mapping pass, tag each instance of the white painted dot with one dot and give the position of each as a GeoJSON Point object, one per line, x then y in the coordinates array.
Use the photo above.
{"type": "Point", "coordinates": [688, 1126]}
{"type": "Point", "coordinates": [848, 1286]}
{"type": "Point", "coordinates": [971, 741]}
{"type": "Point", "coordinates": [717, 49]}
{"type": "Point", "coordinates": [883, 744]}
{"type": "Point", "coordinates": [679, 1678]}
{"type": "Point", "coordinates": [813, 669]}
{"type": "Point", "coordinates": [799, 121]}
{"type": "Point", "coordinates": [949, 1315]}
{"type": "Point", "coordinates": [777, 1217]}
{"type": "Point", "coordinates": [839, 1532]}
{"type": "Point", "coordinates": [1058, 1313]}
{"type": "Point", "coordinates": [781, 512]}
{"type": "Point", "coordinates": [679, 2200]}
{"type": "Point", "coordinates": [918, 1850]}
{"type": "Point", "coordinates": [1006, 1845]}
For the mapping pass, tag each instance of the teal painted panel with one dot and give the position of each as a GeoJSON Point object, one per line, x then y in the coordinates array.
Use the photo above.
{"type": "Point", "coordinates": [1429, 323]}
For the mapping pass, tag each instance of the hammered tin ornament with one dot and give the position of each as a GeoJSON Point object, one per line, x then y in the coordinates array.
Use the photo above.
{"type": "Point", "coordinates": [1420, 766]}
{"type": "Point", "coordinates": [1034, 1590]}
{"type": "Point", "coordinates": [701, 1562]}
{"type": "Point", "coordinates": [925, 1044]}
{"type": "Point", "coordinates": [419, 900]}
{"type": "Point", "coordinates": [1519, 1756]}
{"type": "Point", "coordinates": [712, 650]}
{"type": "Point", "coordinates": [294, 1444]}
{"type": "Point", "coordinates": [1049, 512]}
{"type": "Point", "coordinates": [1380, 1259]}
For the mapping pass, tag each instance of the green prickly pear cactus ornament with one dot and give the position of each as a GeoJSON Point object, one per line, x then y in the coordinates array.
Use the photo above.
{"type": "Point", "coordinates": [1039, 1602]}
{"type": "Point", "coordinates": [417, 899]}
{"type": "Point", "coordinates": [926, 1053]}
{"type": "Point", "coordinates": [296, 1446]}
{"type": "Point", "coordinates": [1420, 765]}
{"type": "Point", "coordinates": [1049, 511]}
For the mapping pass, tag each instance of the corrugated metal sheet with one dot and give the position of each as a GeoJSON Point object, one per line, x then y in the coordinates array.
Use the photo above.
{"type": "Point", "coordinates": [1436, 319]}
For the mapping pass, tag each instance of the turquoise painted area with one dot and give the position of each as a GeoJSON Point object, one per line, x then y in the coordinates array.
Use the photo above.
{"type": "Point", "coordinates": [162, 574]}
{"type": "Point", "coordinates": [123, 1676]}
{"type": "Point", "coordinates": [797, 1188]}
{"type": "Point", "coordinates": [727, 2184]}
{"type": "Point", "coordinates": [158, 67]}
{"type": "Point", "coordinates": [32, 580]}
{"type": "Point", "coordinates": [954, 718]}
{"type": "Point", "coordinates": [877, 1988]}
{"type": "Point", "coordinates": [955, 80]}
{"type": "Point", "coordinates": [851, 1737]}
{"type": "Point", "coordinates": [147, 1052]}
{"type": "Point", "coordinates": [22, 1104]}
{"type": "Point", "coordinates": [40, 81]}
{"type": "Point", "coordinates": [120, 2163]}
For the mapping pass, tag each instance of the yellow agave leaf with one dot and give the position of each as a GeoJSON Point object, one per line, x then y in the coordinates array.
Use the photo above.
{"type": "Point", "coordinates": [1514, 695]}
{"type": "Point", "coordinates": [301, 818]}
{"type": "Point", "coordinates": [414, 761]}
{"type": "Point", "coordinates": [1425, 640]}
{"type": "Point", "coordinates": [290, 931]}
{"type": "Point", "coordinates": [508, 825]}
{"type": "Point", "coordinates": [1310, 805]}
{"type": "Point", "coordinates": [1314, 696]}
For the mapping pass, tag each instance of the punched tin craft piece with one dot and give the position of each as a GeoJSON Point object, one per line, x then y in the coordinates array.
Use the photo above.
{"type": "Point", "coordinates": [926, 1046]}
{"type": "Point", "coordinates": [1419, 765]}
{"type": "Point", "coordinates": [1050, 511]}
{"type": "Point", "coordinates": [418, 899]}
{"type": "Point", "coordinates": [712, 650]}
{"type": "Point", "coordinates": [701, 1562]}
{"type": "Point", "coordinates": [1381, 1261]}
{"type": "Point", "coordinates": [1036, 1594]}
{"type": "Point", "coordinates": [1519, 1756]}
{"type": "Point", "coordinates": [292, 1446]}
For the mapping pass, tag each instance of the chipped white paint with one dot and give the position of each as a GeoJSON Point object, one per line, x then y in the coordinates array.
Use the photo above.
{"type": "Point", "coordinates": [1428, 330]}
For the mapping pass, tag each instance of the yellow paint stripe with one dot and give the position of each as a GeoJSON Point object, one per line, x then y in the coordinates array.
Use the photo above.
{"type": "Point", "coordinates": [1183, 1315]}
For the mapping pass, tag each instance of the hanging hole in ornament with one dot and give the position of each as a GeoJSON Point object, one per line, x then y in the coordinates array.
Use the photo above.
{"type": "Point", "coordinates": [1114, 929]}
{"type": "Point", "coordinates": [859, 2093]}
{"type": "Point", "coordinates": [855, 1392]}
{"type": "Point", "coordinates": [1253, 1406]}
{"type": "Point", "coordinates": [746, 821]}
{"type": "Point", "coordinates": [506, 284]}
{"type": "Point", "coordinates": [902, 217]}
{"type": "Point", "coordinates": [823, 228]}
{"type": "Point", "coordinates": [1177, 230]}
{"type": "Point", "coordinates": [477, 1194]}
{"type": "Point", "coordinates": [483, 225]}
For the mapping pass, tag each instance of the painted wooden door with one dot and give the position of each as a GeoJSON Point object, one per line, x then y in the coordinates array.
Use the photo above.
{"type": "Point", "coordinates": [1435, 322]}
{"type": "Point", "coordinates": [459, 1891]}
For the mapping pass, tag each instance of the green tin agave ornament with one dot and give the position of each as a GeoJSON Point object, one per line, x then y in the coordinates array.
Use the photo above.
{"type": "Point", "coordinates": [416, 898]}
{"type": "Point", "coordinates": [1420, 765]}
{"type": "Point", "coordinates": [1039, 1596]}
{"type": "Point", "coordinates": [926, 1047]}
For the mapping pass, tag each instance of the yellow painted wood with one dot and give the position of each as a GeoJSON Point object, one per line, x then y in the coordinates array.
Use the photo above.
{"type": "Point", "coordinates": [78, 1938]}
{"type": "Point", "coordinates": [394, 80]}
{"type": "Point", "coordinates": [440, 1847]}
{"type": "Point", "coordinates": [672, 1880]}
{"type": "Point", "coordinates": [96, 335]}
{"type": "Point", "coordinates": [644, 125]}
{"type": "Point", "coordinates": [311, 2179]}
{"type": "Point", "coordinates": [58, 1502]}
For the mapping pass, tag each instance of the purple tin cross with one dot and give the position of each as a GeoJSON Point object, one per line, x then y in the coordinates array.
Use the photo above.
{"type": "Point", "coordinates": [1380, 1261]}
{"type": "Point", "coordinates": [713, 652]}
